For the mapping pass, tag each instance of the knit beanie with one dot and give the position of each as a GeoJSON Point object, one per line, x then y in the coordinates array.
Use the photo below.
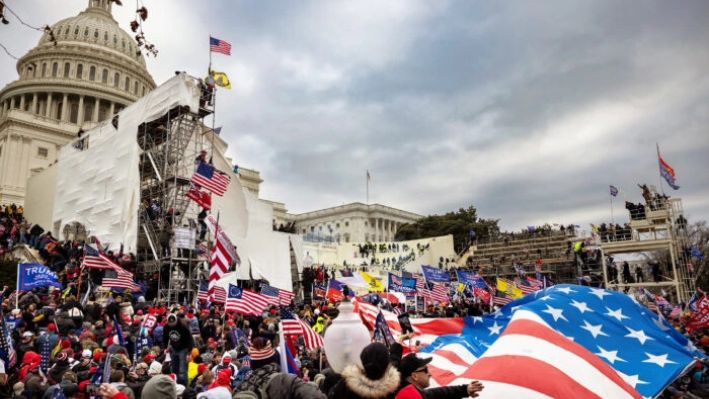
{"type": "Point", "coordinates": [159, 387]}
{"type": "Point", "coordinates": [375, 360]}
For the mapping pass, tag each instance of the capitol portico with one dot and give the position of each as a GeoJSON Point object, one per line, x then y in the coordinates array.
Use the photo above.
{"type": "Point", "coordinates": [355, 222]}
{"type": "Point", "coordinates": [91, 71]}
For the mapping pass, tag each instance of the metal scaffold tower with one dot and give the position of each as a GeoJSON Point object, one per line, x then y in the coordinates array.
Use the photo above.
{"type": "Point", "coordinates": [170, 146]}
{"type": "Point", "coordinates": [661, 228]}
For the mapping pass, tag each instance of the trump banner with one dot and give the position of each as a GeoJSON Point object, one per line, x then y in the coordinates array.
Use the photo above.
{"type": "Point", "coordinates": [34, 275]}
{"type": "Point", "coordinates": [432, 274]}
{"type": "Point", "coordinates": [404, 285]}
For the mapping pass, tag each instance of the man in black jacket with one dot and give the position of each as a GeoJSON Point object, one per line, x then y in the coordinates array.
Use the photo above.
{"type": "Point", "coordinates": [415, 378]}
{"type": "Point", "coordinates": [178, 337]}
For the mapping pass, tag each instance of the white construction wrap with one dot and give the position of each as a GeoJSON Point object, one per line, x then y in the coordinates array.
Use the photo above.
{"type": "Point", "coordinates": [99, 187]}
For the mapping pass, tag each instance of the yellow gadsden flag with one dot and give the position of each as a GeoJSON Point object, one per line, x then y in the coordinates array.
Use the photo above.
{"type": "Point", "coordinates": [373, 284]}
{"type": "Point", "coordinates": [221, 80]}
{"type": "Point", "coordinates": [509, 288]}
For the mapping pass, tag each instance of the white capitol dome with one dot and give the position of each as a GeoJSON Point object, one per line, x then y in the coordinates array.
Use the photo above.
{"type": "Point", "coordinates": [93, 57]}
{"type": "Point", "coordinates": [91, 71]}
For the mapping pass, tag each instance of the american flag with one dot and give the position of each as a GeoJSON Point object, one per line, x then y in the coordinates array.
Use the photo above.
{"type": "Point", "coordinates": [292, 325]}
{"type": "Point", "coordinates": [439, 293]}
{"type": "Point", "coordinates": [245, 301]}
{"type": "Point", "coordinates": [219, 46]}
{"type": "Point", "coordinates": [219, 295]}
{"type": "Point", "coordinates": [426, 330]}
{"type": "Point", "coordinates": [123, 279]}
{"type": "Point", "coordinates": [94, 259]}
{"type": "Point", "coordinates": [203, 291]}
{"type": "Point", "coordinates": [525, 286]}
{"type": "Point", "coordinates": [419, 282]}
{"type": "Point", "coordinates": [501, 299]}
{"type": "Point", "coordinates": [220, 259]}
{"type": "Point", "coordinates": [528, 343]}
{"type": "Point", "coordinates": [284, 297]}
{"type": "Point", "coordinates": [643, 349]}
{"type": "Point", "coordinates": [319, 291]}
{"type": "Point", "coordinates": [7, 351]}
{"type": "Point", "coordinates": [210, 178]}
{"type": "Point", "coordinates": [535, 282]}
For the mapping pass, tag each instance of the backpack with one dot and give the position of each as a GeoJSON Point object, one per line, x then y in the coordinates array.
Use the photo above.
{"type": "Point", "coordinates": [259, 393]}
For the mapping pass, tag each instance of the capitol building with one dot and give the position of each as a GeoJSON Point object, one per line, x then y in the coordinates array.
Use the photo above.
{"type": "Point", "coordinates": [92, 71]}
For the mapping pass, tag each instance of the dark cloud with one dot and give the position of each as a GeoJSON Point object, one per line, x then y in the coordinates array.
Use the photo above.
{"type": "Point", "coordinates": [526, 110]}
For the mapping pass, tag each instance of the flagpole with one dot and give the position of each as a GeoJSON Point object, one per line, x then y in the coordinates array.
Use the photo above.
{"type": "Point", "coordinates": [17, 287]}
{"type": "Point", "coordinates": [367, 178]}
{"type": "Point", "coordinates": [282, 348]}
{"type": "Point", "coordinates": [662, 189]}
{"type": "Point", "coordinates": [612, 219]}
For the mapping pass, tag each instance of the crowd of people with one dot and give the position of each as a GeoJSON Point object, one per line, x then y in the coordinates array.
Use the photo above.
{"type": "Point", "coordinates": [78, 344]}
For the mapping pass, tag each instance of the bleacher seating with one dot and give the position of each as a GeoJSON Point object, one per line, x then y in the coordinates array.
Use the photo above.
{"type": "Point", "coordinates": [499, 257]}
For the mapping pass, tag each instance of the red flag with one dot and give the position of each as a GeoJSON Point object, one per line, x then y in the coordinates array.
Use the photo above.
{"type": "Point", "coordinates": [700, 318]}
{"type": "Point", "coordinates": [202, 198]}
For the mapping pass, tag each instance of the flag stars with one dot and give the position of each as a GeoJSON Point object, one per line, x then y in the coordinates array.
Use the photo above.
{"type": "Point", "coordinates": [639, 335]}
{"type": "Point", "coordinates": [495, 329]}
{"type": "Point", "coordinates": [660, 360]}
{"type": "Point", "coordinates": [632, 380]}
{"type": "Point", "coordinates": [618, 314]}
{"type": "Point", "coordinates": [555, 313]}
{"type": "Point", "coordinates": [611, 356]}
{"type": "Point", "coordinates": [660, 324]}
{"type": "Point", "coordinates": [565, 290]}
{"type": "Point", "coordinates": [581, 306]}
{"type": "Point", "coordinates": [594, 330]}
{"type": "Point", "coordinates": [599, 292]}
{"type": "Point", "coordinates": [477, 319]}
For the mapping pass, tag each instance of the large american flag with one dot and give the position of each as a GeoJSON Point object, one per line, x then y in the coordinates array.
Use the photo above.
{"type": "Point", "coordinates": [210, 178]}
{"type": "Point", "coordinates": [245, 301]}
{"type": "Point", "coordinates": [222, 255]}
{"type": "Point", "coordinates": [641, 347]}
{"type": "Point", "coordinates": [219, 46]}
{"type": "Point", "coordinates": [561, 368]}
{"type": "Point", "coordinates": [292, 325]}
{"type": "Point", "coordinates": [283, 297]}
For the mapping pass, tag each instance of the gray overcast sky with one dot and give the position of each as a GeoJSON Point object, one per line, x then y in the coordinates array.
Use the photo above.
{"type": "Point", "coordinates": [527, 110]}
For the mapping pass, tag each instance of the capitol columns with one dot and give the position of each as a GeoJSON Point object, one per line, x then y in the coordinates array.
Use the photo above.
{"type": "Point", "coordinates": [48, 110]}
{"type": "Point", "coordinates": [80, 118]}
{"type": "Point", "coordinates": [65, 108]}
{"type": "Point", "coordinates": [94, 117]}
{"type": "Point", "coordinates": [22, 102]}
{"type": "Point", "coordinates": [34, 103]}
{"type": "Point", "coordinates": [112, 109]}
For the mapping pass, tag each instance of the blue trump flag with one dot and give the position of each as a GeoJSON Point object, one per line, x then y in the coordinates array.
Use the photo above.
{"type": "Point", "coordinates": [643, 348]}
{"type": "Point", "coordinates": [434, 274]}
{"type": "Point", "coordinates": [34, 275]}
{"type": "Point", "coordinates": [404, 285]}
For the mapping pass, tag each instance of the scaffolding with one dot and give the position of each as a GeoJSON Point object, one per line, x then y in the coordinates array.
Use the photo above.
{"type": "Point", "coordinates": [169, 147]}
{"type": "Point", "coordinates": [660, 226]}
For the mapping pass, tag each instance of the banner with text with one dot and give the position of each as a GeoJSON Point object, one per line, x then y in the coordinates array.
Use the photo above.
{"type": "Point", "coordinates": [34, 275]}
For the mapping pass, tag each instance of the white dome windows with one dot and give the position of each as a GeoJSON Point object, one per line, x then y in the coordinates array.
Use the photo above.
{"type": "Point", "coordinates": [126, 87]}
{"type": "Point", "coordinates": [80, 71]}
{"type": "Point", "coordinates": [92, 73]}
{"type": "Point", "coordinates": [116, 79]}
{"type": "Point", "coordinates": [67, 68]}
{"type": "Point", "coordinates": [55, 69]}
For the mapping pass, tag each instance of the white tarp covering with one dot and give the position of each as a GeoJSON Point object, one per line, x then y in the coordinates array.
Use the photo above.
{"type": "Point", "coordinates": [99, 187]}
{"type": "Point", "coordinates": [265, 253]}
